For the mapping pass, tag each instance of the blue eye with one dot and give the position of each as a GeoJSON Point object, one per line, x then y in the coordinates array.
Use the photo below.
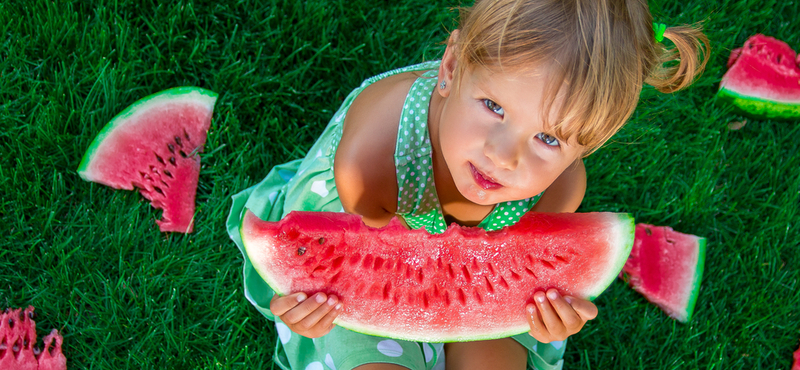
{"type": "Point", "coordinates": [547, 139]}
{"type": "Point", "coordinates": [494, 107]}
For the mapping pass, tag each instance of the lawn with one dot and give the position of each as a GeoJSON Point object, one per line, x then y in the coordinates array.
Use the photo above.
{"type": "Point", "coordinates": [93, 263]}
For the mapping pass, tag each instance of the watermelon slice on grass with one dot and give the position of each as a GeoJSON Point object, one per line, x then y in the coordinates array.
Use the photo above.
{"type": "Point", "coordinates": [18, 348]}
{"type": "Point", "coordinates": [666, 267]}
{"type": "Point", "coordinates": [763, 79]}
{"type": "Point", "coordinates": [153, 145]}
{"type": "Point", "coordinates": [796, 365]}
{"type": "Point", "coordinates": [464, 284]}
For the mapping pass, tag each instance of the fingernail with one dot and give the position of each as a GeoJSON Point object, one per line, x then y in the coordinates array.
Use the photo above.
{"type": "Point", "coordinates": [540, 297]}
{"type": "Point", "coordinates": [331, 301]}
{"type": "Point", "coordinates": [531, 309]}
{"type": "Point", "coordinates": [301, 297]}
{"type": "Point", "coordinates": [339, 306]}
{"type": "Point", "coordinates": [320, 298]}
{"type": "Point", "coordinates": [568, 299]}
{"type": "Point", "coordinates": [552, 294]}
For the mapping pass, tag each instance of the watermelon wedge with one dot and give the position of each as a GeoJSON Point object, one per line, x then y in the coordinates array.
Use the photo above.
{"type": "Point", "coordinates": [462, 285]}
{"type": "Point", "coordinates": [18, 349]}
{"type": "Point", "coordinates": [796, 365]}
{"type": "Point", "coordinates": [763, 79]}
{"type": "Point", "coordinates": [152, 145]}
{"type": "Point", "coordinates": [666, 267]}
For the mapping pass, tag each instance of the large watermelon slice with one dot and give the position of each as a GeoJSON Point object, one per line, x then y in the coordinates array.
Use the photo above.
{"type": "Point", "coordinates": [666, 267]}
{"type": "Point", "coordinates": [152, 145]}
{"type": "Point", "coordinates": [465, 284]}
{"type": "Point", "coordinates": [763, 79]}
{"type": "Point", "coordinates": [18, 349]}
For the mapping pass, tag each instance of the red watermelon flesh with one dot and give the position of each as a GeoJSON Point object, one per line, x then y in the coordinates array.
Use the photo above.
{"type": "Point", "coordinates": [152, 145]}
{"type": "Point", "coordinates": [796, 365]}
{"type": "Point", "coordinates": [18, 340]}
{"type": "Point", "coordinates": [763, 79]}
{"type": "Point", "coordinates": [666, 267]}
{"type": "Point", "coordinates": [465, 284]}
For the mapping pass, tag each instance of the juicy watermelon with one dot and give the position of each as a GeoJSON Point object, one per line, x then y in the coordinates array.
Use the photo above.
{"type": "Point", "coordinates": [465, 284]}
{"type": "Point", "coordinates": [796, 365]}
{"type": "Point", "coordinates": [763, 79]}
{"type": "Point", "coordinates": [152, 145]}
{"type": "Point", "coordinates": [18, 340]}
{"type": "Point", "coordinates": [666, 267]}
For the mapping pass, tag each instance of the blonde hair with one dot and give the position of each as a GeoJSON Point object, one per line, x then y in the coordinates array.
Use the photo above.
{"type": "Point", "coordinates": [603, 52]}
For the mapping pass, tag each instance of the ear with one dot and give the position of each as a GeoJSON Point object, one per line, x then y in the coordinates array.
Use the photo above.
{"type": "Point", "coordinates": [448, 66]}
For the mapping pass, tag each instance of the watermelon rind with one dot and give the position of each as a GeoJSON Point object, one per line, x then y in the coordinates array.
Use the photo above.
{"type": "Point", "coordinates": [759, 108]}
{"type": "Point", "coordinates": [698, 277]}
{"type": "Point", "coordinates": [621, 236]}
{"type": "Point", "coordinates": [187, 93]}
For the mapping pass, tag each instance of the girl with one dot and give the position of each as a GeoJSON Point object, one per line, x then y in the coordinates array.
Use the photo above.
{"type": "Point", "coordinates": [498, 127]}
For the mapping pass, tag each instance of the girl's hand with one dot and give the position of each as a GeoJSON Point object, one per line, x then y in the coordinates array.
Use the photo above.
{"type": "Point", "coordinates": [311, 317]}
{"type": "Point", "coordinates": [554, 318]}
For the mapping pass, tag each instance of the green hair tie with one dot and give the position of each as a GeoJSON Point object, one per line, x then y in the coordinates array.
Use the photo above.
{"type": "Point", "coordinates": [659, 29]}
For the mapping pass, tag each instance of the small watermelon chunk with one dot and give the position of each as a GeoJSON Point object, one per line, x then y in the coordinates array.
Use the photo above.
{"type": "Point", "coordinates": [796, 365]}
{"type": "Point", "coordinates": [152, 145]}
{"type": "Point", "coordinates": [666, 267]}
{"type": "Point", "coordinates": [763, 79]}
{"type": "Point", "coordinates": [18, 340]}
{"type": "Point", "coordinates": [464, 284]}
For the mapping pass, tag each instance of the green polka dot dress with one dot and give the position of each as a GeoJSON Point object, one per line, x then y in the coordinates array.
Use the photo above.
{"type": "Point", "coordinates": [308, 184]}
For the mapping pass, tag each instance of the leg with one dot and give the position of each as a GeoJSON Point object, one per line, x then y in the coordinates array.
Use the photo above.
{"type": "Point", "coordinates": [503, 353]}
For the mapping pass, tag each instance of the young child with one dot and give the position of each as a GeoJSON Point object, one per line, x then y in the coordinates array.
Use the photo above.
{"type": "Point", "coordinates": [497, 128]}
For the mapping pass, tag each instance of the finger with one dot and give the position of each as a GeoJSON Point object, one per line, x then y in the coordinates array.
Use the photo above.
{"type": "Point", "coordinates": [299, 312]}
{"type": "Point", "coordinates": [311, 321]}
{"type": "Point", "coordinates": [549, 316]}
{"type": "Point", "coordinates": [569, 318]}
{"type": "Point", "coordinates": [327, 320]}
{"type": "Point", "coordinates": [538, 330]}
{"type": "Point", "coordinates": [280, 305]}
{"type": "Point", "coordinates": [585, 309]}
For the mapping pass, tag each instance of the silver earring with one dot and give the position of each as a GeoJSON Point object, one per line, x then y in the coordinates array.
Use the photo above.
{"type": "Point", "coordinates": [443, 85]}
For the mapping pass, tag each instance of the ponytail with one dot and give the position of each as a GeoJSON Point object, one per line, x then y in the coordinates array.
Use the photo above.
{"type": "Point", "coordinates": [691, 52]}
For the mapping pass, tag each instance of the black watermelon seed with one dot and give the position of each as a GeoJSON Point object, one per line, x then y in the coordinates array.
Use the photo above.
{"type": "Point", "coordinates": [301, 251]}
{"type": "Point", "coordinates": [171, 148]}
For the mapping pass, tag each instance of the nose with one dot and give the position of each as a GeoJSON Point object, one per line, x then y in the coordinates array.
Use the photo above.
{"type": "Point", "coordinates": [503, 148]}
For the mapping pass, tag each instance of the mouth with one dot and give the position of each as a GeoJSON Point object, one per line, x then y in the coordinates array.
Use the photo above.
{"type": "Point", "coordinates": [482, 180]}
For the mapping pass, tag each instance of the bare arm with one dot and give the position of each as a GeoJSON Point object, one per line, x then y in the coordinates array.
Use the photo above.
{"type": "Point", "coordinates": [364, 169]}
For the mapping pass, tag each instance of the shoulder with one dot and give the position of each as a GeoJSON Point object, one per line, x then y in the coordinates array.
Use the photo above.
{"type": "Point", "coordinates": [364, 164]}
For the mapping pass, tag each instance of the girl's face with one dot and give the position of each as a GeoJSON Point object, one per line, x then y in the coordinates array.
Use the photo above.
{"type": "Point", "coordinates": [494, 140]}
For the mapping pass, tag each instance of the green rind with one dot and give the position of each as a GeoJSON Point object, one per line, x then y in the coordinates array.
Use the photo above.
{"type": "Point", "coordinates": [122, 118]}
{"type": "Point", "coordinates": [505, 334]}
{"type": "Point", "coordinates": [627, 231]}
{"type": "Point", "coordinates": [698, 277]}
{"type": "Point", "coordinates": [758, 107]}
{"type": "Point", "coordinates": [627, 234]}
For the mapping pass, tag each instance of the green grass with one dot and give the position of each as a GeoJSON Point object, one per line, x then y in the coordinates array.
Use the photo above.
{"type": "Point", "coordinates": [93, 263]}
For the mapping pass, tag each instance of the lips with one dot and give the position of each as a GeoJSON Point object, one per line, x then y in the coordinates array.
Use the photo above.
{"type": "Point", "coordinates": [482, 180]}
